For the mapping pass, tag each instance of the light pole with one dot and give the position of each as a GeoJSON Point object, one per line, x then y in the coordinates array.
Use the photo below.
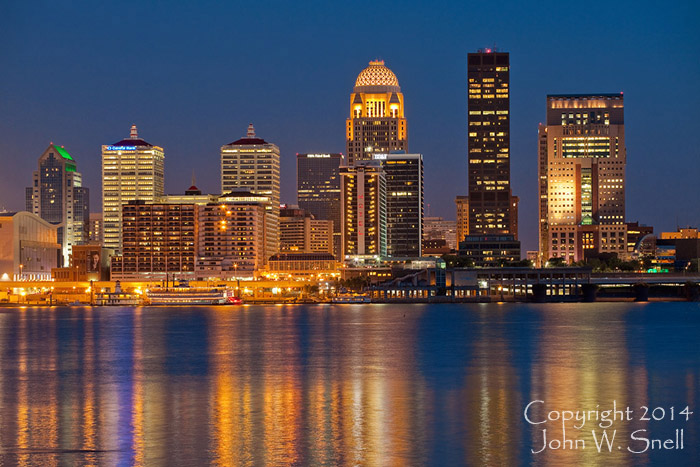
{"type": "Point", "coordinates": [238, 280]}
{"type": "Point", "coordinates": [21, 271]}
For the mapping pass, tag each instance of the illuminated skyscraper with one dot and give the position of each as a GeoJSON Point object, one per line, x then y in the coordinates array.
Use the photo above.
{"type": "Point", "coordinates": [492, 236]}
{"type": "Point", "coordinates": [582, 160]}
{"type": "Point", "coordinates": [376, 123]}
{"type": "Point", "coordinates": [363, 205]}
{"type": "Point", "coordinates": [58, 197]}
{"type": "Point", "coordinates": [403, 174]}
{"type": "Point", "coordinates": [252, 164]}
{"type": "Point", "coordinates": [132, 169]}
{"type": "Point", "coordinates": [318, 189]}
{"type": "Point", "coordinates": [489, 143]}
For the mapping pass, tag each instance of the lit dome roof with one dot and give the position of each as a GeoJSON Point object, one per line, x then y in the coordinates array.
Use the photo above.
{"type": "Point", "coordinates": [375, 76]}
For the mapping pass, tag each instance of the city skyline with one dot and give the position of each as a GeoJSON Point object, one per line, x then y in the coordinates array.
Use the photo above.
{"type": "Point", "coordinates": [312, 119]}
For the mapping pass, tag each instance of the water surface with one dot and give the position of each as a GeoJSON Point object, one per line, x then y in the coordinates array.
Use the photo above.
{"type": "Point", "coordinates": [343, 384]}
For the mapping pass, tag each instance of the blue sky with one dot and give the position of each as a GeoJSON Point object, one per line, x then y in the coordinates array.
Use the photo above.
{"type": "Point", "coordinates": [192, 76]}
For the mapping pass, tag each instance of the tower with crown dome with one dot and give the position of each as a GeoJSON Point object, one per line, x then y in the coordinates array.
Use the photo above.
{"type": "Point", "coordinates": [376, 124]}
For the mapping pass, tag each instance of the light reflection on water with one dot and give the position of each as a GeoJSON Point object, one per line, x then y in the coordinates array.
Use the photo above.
{"type": "Point", "coordinates": [339, 385]}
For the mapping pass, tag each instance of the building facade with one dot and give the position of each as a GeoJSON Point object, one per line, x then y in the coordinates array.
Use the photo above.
{"type": "Point", "coordinates": [232, 240]}
{"type": "Point", "coordinates": [29, 247]}
{"type": "Point", "coordinates": [490, 250]}
{"type": "Point", "coordinates": [437, 228]}
{"type": "Point", "coordinates": [489, 143]}
{"type": "Point", "coordinates": [158, 242]}
{"type": "Point", "coordinates": [376, 123]}
{"type": "Point", "coordinates": [318, 189]}
{"type": "Point", "coordinates": [582, 177]}
{"type": "Point", "coordinates": [252, 164]}
{"type": "Point", "coordinates": [87, 263]}
{"type": "Point", "coordinates": [462, 203]}
{"type": "Point", "coordinates": [58, 197]}
{"type": "Point", "coordinates": [132, 169]}
{"type": "Point", "coordinates": [95, 228]}
{"type": "Point", "coordinates": [403, 174]}
{"type": "Point", "coordinates": [363, 207]}
{"type": "Point", "coordinates": [300, 231]}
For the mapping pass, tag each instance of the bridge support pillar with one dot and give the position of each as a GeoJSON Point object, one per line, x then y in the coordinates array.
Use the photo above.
{"type": "Point", "coordinates": [590, 292]}
{"type": "Point", "coordinates": [641, 292]}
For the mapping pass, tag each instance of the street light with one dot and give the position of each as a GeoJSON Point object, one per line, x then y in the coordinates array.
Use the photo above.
{"type": "Point", "coordinates": [238, 280]}
{"type": "Point", "coordinates": [21, 274]}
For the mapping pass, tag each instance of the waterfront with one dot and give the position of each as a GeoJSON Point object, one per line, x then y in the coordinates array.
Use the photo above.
{"type": "Point", "coordinates": [339, 384]}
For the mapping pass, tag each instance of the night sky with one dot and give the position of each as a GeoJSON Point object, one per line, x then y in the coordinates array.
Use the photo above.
{"type": "Point", "coordinates": [192, 76]}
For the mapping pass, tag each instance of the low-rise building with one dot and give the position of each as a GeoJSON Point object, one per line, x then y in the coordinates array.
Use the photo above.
{"type": "Point", "coordinates": [490, 250]}
{"type": "Point", "coordinates": [301, 232]}
{"type": "Point", "coordinates": [29, 247]}
{"type": "Point", "coordinates": [301, 264]}
{"type": "Point", "coordinates": [87, 263]}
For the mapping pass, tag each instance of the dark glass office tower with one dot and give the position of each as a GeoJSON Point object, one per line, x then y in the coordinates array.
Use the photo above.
{"type": "Point", "coordinates": [318, 189]}
{"type": "Point", "coordinates": [404, 203]}
{"type": "Point", "coordinates": [489, 143]}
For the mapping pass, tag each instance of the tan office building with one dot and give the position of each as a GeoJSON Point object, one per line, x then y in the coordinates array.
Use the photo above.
{"type": "Point", "coordinates": [301, 232]}
{"type": "Point", "coordinates": [252, 164]}
{"type": "Point", "coordinates": [132, 169]}
{"type": "Point", "coordinates": [582, 177]}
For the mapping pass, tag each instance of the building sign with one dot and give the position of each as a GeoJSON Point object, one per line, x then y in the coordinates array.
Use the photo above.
{"type": "Point", "coordinates": [121, 148]}
{"type": "Point", "coordinates": [325, 156]}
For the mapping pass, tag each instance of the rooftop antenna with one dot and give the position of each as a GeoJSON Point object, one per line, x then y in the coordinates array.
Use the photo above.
{"type": "Point", "coordinates": [134, 134]}
{"type": "Point", "coordinates": [194, 180]}
{"type": "Point", "coordinates": [251, 131]}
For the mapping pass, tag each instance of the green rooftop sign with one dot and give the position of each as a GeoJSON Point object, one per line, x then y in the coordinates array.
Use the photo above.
{"type": "Point", "coordinates": [64, 154]}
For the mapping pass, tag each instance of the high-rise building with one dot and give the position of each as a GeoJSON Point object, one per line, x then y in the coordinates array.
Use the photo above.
{"type": "Point", "coordinates": [489, 143]}
{"type": "Point", "coordinates": [492, 226]}
{"type": "Point", "coordinates": [363, 207]}
{"type": "Point", "coordinates": [376, 123]}
{"type": "Point", "coordinates": [582, 177]}
{"type": "Point", "coordinates": [158, 242]}
{"type": "Point", "coordinates": [232, 235]}
{"type": "Point", "coordinates": [300, 231]}
{"type": "Point", "coordinates": [132, 169]}
{"type": "Point", "coordinates": [252, 164]}
{"type": "Point", "coordinates": [318, 189]}
{"type": "Point", "coordinates": [58, 197]}
{"type": "Point", "coordinates": [462, 203]}
{"type": "Point", "coordinates": [403, 174]}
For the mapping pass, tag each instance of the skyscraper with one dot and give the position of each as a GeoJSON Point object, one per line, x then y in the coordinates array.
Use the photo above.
{"type": "Point", "coordinates": [318, 189]}
{"type": "Point", "coordinates": [492, 231]}
{"type": "Point", "coordinates": [132, 169]}
{"type": "Point", "coordinates": [582, 160]}
{"type": "Point", "coordinates": [403, 174]}
{"type": "Point", "coordinates": [376, 123]}
{"type": "Point", "coordinates": [252, 164]}
{"type": "Point", "coordinates": [363, 204]}
{"type": "Point", "coordinates": [58, 197]}
{"type": "Point", "coordinates": [489, 143]}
